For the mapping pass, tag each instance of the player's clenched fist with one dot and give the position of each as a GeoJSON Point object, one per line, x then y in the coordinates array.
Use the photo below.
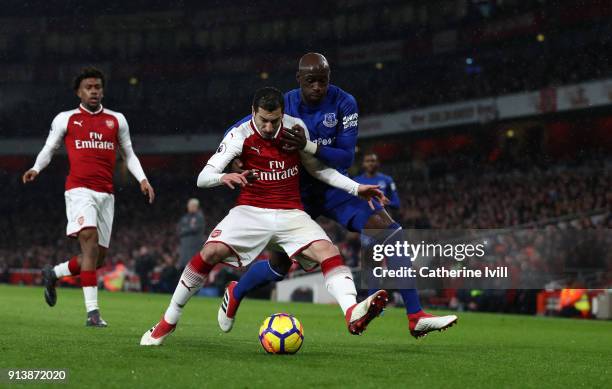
{"type": "Point", "coordinates": [30, 175]}
{"type": "Point", "coordinates": [294, 138]}
{"type": "Point", "coordinates": [371, 192]}
{"type": "Point", "coordinates": [240, 179]}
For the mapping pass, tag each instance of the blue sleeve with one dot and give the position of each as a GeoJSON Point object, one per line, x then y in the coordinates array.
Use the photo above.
{"type": "Point", "coordinates": [342, 154]}
{"type": "Point", "coordinates": [392, 195]}
{"type": "Point", "coordinates": [239, 122]}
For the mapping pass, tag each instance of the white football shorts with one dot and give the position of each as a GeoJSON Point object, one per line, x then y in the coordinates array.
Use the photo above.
{"type": "Point", "coordinates": [86, 208]}
{"type": "Point", "coordinates": [248, 230]}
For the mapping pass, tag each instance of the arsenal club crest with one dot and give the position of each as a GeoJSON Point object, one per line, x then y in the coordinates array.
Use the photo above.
{"type": "Point", "coordinates": [215, 233]}
{"type": "Point", "coordinates": [110, 124]}
{"type": "Point", "coordinates": [330, 120]}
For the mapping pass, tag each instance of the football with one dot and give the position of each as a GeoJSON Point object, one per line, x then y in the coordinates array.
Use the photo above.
{"type": "Point", "coordinates": [281, 333]}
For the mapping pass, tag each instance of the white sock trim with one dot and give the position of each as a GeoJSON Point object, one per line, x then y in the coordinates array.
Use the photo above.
{"type": "Point", "coordinates": [91, 297]}
{"type": "Point", "coordinates": [274, 271]}
{"type": "Point", "coordinates": [173, 313]}
{"type": "Point", "coordinates": [189, 285]}
{"type": "Point", "coordinates": [340, 285]}
{"type": "Point", "coordinates": [392, 235]}
{"type": "Point", "coordinates": [62, 270]}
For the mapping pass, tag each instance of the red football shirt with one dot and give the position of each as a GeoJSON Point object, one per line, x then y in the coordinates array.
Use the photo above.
{"type": "Point", "coordinates": [278, 186]}
{"type": "Point", "coordinates": [91, 140]}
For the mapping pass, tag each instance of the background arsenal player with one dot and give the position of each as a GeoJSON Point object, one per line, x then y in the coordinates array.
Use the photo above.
{"type": "Point", "coordinates": [91, 134]}
{"type": "Point", "coordinates": [269, 211]}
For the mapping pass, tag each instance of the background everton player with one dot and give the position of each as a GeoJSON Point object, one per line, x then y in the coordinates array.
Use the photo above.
{"type": "Point", "coordinates": [269, 211]}
{"type": "Point", "coordinates": [331, 117]}
{"type": "Point", "coordinates": [372, 176]}
{"type": "Point", "coordinates": [92, 134]}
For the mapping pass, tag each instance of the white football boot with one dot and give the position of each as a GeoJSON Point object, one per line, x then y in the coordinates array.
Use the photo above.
{"type": "Point", "coordinates": [156, 335]}
{"type": "Point", "coordinates": [425, 323]}
{"type": "Point", "coordinates": [361, 314]}
{"type": "Point", "coordinates": [228, 308]}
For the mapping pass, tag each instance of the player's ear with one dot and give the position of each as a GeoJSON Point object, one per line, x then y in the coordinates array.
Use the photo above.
{"type": "Point", "coordinates": [297, 76]}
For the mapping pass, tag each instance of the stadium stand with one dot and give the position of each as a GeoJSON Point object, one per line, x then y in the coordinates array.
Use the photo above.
{"type": "Point", "coordinates": [180, 82]}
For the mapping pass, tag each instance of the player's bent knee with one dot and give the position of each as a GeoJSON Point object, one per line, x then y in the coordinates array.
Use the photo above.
{"type": "Point", "coordinates": [215, 252]}
{"type": "Point", "coordinates": [89, 234]}
{"type": "Point", "coordinates": [321, 250]}
{"type": "Point", "coordinates": [330, 250]}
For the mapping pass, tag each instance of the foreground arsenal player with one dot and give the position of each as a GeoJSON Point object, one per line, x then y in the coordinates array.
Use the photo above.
{"type": "Point", "coordinates": [269, 211]}
{"type": "Point", "coordinates": [92, 134]}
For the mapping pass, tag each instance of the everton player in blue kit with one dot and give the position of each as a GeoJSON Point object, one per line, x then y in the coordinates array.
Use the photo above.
{"type": "Point", "coordinates": [371, 176]}
{"type": "Point", "coordinates": [331, 117]}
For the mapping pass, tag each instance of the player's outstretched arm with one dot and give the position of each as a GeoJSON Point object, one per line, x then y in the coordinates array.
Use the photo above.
{"type": "Point", "coordinates": [334, 178]}
{"type": "Point", "coordinates": [232, 180]}
{"type": "Point", "coordinates": [371, 192]}
{"type": "Point", "coordinates": [211, 176]}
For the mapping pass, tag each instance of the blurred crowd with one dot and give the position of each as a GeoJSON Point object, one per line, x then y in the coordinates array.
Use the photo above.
{"type": "Point", "coordinates": [146, 238]}
{"type": "Point", "coordinates": [504, 199]}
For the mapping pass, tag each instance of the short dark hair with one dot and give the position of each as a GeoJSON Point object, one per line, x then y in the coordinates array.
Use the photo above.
{"type": "Point", "coordinates": [88, 72]}
{"type": "Point", "coordinates": [269, 98]}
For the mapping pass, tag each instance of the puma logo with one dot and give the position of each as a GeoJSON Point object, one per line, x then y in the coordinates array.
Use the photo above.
{"type": "Point", "coordinates": [80, 124]}
{"type": "Point", "coordinates": [186, 286]}
{"type": "Point", "coordinates": [256, 149]}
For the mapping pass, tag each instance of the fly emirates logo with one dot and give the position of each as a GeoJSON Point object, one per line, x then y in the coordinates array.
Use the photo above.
{"type": "Point", "coordinates": [94, 142]}
{"type": "Point", "coordinates": [278, 172]}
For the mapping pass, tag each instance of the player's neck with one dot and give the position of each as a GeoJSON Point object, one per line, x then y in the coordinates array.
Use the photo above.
{"type": "Point", "coordinates": [310, 104]}
{"type": "Point", "coordinates": [371, 175]}
{"type": "Point", "coordinates": [264, 135]}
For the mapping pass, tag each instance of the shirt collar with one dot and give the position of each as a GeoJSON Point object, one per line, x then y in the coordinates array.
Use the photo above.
{"type": "Point", "coordinates": [85, 110]}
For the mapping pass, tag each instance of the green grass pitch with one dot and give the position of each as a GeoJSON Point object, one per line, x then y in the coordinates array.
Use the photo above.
{"type": "Point", "coordinates": [483, 350]}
